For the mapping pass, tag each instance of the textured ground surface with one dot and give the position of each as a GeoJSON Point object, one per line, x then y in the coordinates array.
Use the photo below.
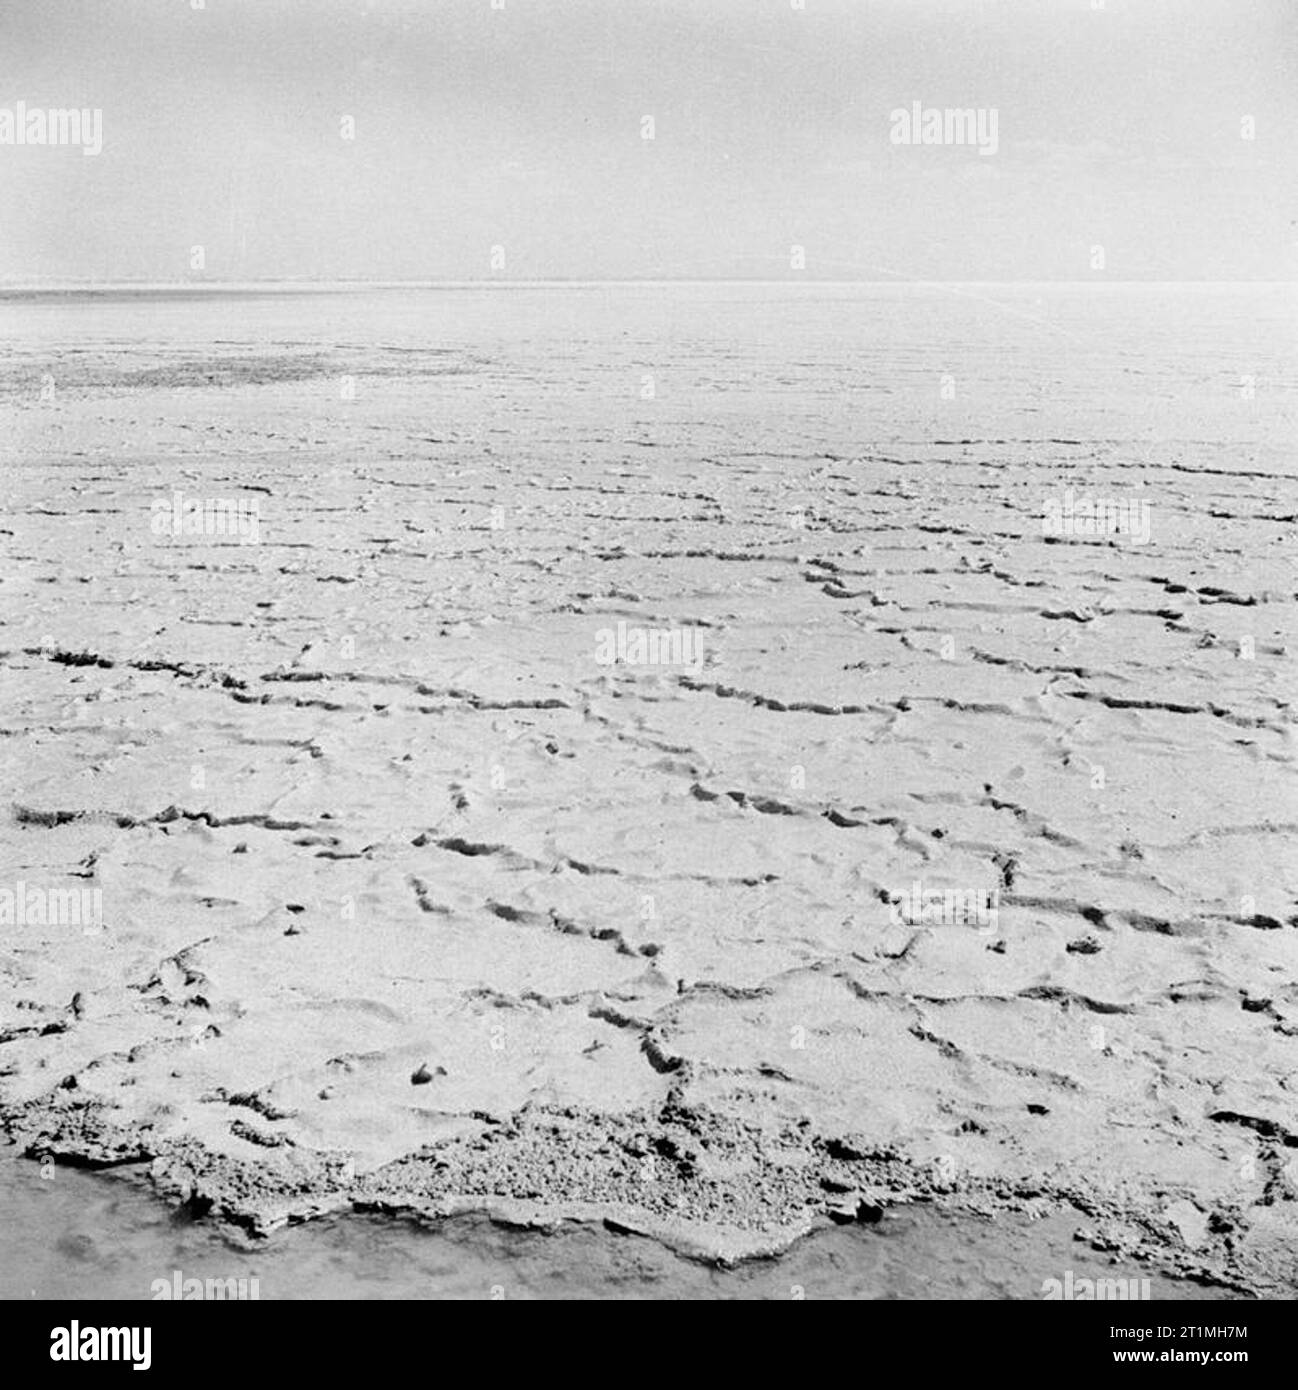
{"type": "Point", "coordinates": [410, 902]}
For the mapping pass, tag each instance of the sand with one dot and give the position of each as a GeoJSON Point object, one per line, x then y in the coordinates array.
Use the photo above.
{"type": "Point", "coordinates": [414, 901]}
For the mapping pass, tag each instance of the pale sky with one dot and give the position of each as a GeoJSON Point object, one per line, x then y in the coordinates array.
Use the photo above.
{"type": "Point", "coordinates": [522, 128]}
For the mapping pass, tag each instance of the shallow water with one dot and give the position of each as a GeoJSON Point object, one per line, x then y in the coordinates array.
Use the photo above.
{"type": "Point", "coordinates": [79, 1234]}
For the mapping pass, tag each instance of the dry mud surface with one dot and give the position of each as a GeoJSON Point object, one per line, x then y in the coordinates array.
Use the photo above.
{"type": "Point", "coordinates": [412, 904]}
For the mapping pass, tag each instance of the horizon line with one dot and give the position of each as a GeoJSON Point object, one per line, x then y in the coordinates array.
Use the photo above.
{"type": "Point", "coordinates": [307, 284]}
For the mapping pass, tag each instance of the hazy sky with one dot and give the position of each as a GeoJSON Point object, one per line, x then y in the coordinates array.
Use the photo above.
{"type": "Point", "coordinates": [522, 127]}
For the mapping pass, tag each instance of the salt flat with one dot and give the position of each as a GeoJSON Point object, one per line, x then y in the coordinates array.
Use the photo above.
{"type": "Point", "coordinates": [412, 900]}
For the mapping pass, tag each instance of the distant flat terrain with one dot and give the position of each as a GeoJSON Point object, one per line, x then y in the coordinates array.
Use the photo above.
{"type": "Point", "coordinates": [414, 898]}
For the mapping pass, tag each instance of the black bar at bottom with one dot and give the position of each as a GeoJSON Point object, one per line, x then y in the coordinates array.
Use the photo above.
{"type": "Point", "coordinates": [215, 1338]}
